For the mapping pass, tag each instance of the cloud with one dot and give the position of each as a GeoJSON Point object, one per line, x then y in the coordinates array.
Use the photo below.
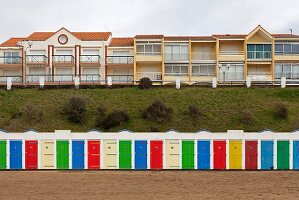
{"type": "Point", "coordinates": [130, 17]}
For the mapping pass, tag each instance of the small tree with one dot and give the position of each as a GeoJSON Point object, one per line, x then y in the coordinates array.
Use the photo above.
{"type": "Point", "coordinates": [158, 112]}
{"type": "Point", "coordinates": [75, 109]}
{"type": "Point", "coordinates": [145, 83]}
{"type": "Point", "coordinates": [32, 114]}
{"type": "Point", "coordinates": [115, 118]}
{"type": "Point", "coordinates": [281, 111]}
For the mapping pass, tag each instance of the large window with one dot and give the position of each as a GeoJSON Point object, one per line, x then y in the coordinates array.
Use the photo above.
{"type": "Point", "coordinates": [259, 51]}
{"type": "Point", "coordinates": [12, 58]}
{"type": "Point", "coordinates": [176, 52]}
{"type": "Point", "coordinates": [204, 70]}
{"type": "Point", "coordinates": [148, 48]}
{"type": "Point", "coordinates": [288, 70]}
{"type": "Point", "coordinates": [286, 48]}
{"type": "Point", "coordinates": [231, 72]}
{"type": "Point", "coordinates": [176, 70]}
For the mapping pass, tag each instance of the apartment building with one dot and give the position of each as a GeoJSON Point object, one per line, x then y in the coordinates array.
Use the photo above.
{"type": "Point", "coordinates": [58, 57]}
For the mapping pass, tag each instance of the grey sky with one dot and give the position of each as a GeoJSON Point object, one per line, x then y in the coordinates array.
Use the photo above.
{"type": "Point", "coordinates": [129, 17]}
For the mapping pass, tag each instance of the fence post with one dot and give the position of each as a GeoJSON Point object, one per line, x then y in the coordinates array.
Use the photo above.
{"type": "Point", "coordinates": [283, 82]}
{"type": "Point", "coordinates": [214, 82]}
{"type": "Point", "coordinates": [109, 81]}
{"type": "Point", "coordinates": [248, 82]}
{"type": "Point", "coordinates": [77, 82]}
{"type": "Point", "coordinates": [178, 82]}
{"type": "Point", "coordinates": [41, 82]}
{"type": "Point", "coordinates": [9, 83]}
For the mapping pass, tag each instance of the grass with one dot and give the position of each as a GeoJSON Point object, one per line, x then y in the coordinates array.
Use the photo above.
{"type": "Point", "coordinates": [221, 108]}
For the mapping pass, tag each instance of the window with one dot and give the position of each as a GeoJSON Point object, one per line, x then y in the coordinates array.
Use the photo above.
{"type": "Point", "coordinates": [176, 70]}
{"type": "Point", "coordinates": [286, 48]}
{"type": "Point", "coordinates": [12, 58]}
{"type": "Point", "coordinates": [288, 70]}
{"type": "Point", "coordinates": [148, 48]}
{"type": "Point", "coordinates": [204, 70]}
{"type": "Point", "coordinates": [259, 51]}
{"type": "Point", "coordinates": [176, 52]}
{"type": "Point", "coordinates": [234, 72]}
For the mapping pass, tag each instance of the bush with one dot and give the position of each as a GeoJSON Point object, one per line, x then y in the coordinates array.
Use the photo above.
{"type": "Point", "coordinates": [100, 116]}
{"type": "Point", "coordinates": [247, 117]}
{"type": "Point", "coordinates": [115, 118]}
{"type": "Point", "coordinates": [145, 83]}
{"type": "Point", "coordinates": [32, 114]}
{"type": "Point", "coordinates": [158, 112]}
{"type": "Point", "coordinates": [75, 109]}
{"type": "Point", "coordinates": [281, 111]}
{"type": "Point", "coordinates": [155, 129]}
{"type": "Point", "coordinates": [194, 112]}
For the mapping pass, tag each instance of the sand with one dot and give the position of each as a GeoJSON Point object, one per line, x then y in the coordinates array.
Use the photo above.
{"type": "Point", "coordinates": [141, 185]}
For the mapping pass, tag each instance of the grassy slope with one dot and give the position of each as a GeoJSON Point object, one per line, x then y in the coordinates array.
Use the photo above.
{"type": "Point", "coordinates": [221, 108]}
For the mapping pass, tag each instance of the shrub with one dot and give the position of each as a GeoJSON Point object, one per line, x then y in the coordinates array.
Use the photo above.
{"type": "Point", "coordinates": [100, 115]}
{"type": "Point", "coordinates": [281, 111]}
{"type": "Point", "coordinates": [32, 114]}
{"type": "Point", "coordinates": [145, 83]}
{"type": "Point", "coordinates": [247, 117]}
{"type": "Point", "coordinates": [194, 112]}
{"type": "Point", "coordinates": [75, 109]}
{"type": "Point", "coordinates": [155, 129]}
{"type": "Point", "coordinates": [115, 118]}
{"type": "Point", "coordinates": [158, 112]}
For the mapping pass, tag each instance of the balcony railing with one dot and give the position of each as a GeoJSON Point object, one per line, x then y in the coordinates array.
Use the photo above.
{"type": "Point", "coordinates": [14, 79]}
{"type": "Point", "coordinates": [90, 78]}
{"type": "Point", "coordinates": [231, 53]}
{"type": "Point", "coordinates": [120, 59]}
{"type": "Point", "coordinates": [63, 59]}
{"type": "Point", "coordinates": [90, 59]}
{"type": "Point", "coordinates": [176, 56]}
{"type": "Point", "coordinates": [154, 76]}
{"type": "Point", "coordinates": [204, 74]}
{"type": "Point", "coordinates": [259, 55]}
{"type": "Point", "coordinates": [122, 78]}
{"type": "Point", "coordinates": [203, 56]}
{"type": "Point", "coordinates": [176, 74]}
{"type": "Point", "coordinates": [289, 75]}
{"type": "Point", "coordinates": [36, 59]}
{"type": "Point", "coordinates": [10, 60]}
{"type": "Point", "coordinates": [149, 53]}
{"type": "Point", "coordinates": [231, 76]}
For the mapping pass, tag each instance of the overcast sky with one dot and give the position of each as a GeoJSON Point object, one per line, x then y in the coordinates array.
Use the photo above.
{"type": "Point", "coordinates": [130, 17]}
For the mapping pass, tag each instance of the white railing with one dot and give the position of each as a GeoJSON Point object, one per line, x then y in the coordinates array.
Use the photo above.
{"type": "Point", "coordinates": [176, 74]}
{"type": "Point", "coordinates": [203, 56]}
{"type": "Point", "coordinates": [154, 76]}
{"type": "Point", "coordinates": [259, 55]}
{"type": "Point", "coordinates": [204, 74]}
{"type": "Point", "coordinates": [231, 76]}
{"type": "Point", "coordinates": [279, 75]}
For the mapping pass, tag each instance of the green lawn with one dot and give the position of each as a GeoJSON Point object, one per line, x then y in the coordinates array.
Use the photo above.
{"type": "Point", "coordinates": [221, 108]}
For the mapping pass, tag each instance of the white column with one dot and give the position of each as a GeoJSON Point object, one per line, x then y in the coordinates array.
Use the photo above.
{"type": "Point", "coordinates": [148, 154]}
{"type": "Point", "coordinates": [70, 154]}
{"type": "Point", "coordinates": [227, 154]}
{"type": "Point", "coordinates": [291, 142]}
{"type": "Point", "coordinates": [85, 154]}
{"type": "Point", "coordinates": [259, 154]}
{"type": "Point", "coordinates": [102, 154]}
{"type": "Point", "coordinates": [243, 153]}
{"type": "Point", "coordinates": [275, 154]}
{"type": "Point", "coordinates": [133, 154]}
{"type": "Point", "coordinates": [211, 154]}
{"type": "Point", "coordinates": [7, 154]}
{"type": "Point", "coordinates": [195, 154]}
{"type": "Point", "coordinates": [23, 154]}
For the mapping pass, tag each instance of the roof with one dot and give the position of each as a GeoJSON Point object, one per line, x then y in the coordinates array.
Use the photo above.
{"type": "Point", "coordinates": [12, 42]}
{"type": "Point", "coordinates": [84, 36]}
{"type": "Point", "coordinates": [122, 42]}
{"type": "Point", "coordinates": [231, 36]}
{"type": "Point", "coordinates": [285, 36]}
{"type": "Point", "coordinates": [149, 36]}
{"type": "Point", "coordinates": [186, 38]}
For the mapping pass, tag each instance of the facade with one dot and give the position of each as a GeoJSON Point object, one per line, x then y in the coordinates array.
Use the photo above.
{"type": "Point", "coordinates": [231, 150]}
{"type": "Point", "coordinates": [59, 57]}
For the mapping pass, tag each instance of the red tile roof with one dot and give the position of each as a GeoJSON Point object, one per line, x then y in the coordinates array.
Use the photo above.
{"type": "Point", "coordinates": [149, 36]}
{"type": "Point", "coordinates": [12, 42]}
{"type": "Point", "coordinates": [85, 36]}
{"type": "Point", "coordinates": [121, 42]}
{"type": "Point", "coordinates": [285, 36]}
{"type": "Point", "coordinates": [230, 36]}
{"type": "Point", "coordinates": [186, 38]}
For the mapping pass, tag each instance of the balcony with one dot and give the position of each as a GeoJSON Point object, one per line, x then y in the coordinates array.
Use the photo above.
{"type": "Point", "coordinates": [90, 78]}
{"type": "Point", "coordinates": [288, 75]}
{"type": "Point", "coordinates": [231, 76]}
{"type": "Point", "coordinates": [154, 76]}
{"type": "Point", "coordinates": [11, 61]}
{"type": "Point", "coordinates": [63, 60]}
{"type": "Point", "coordinates": [86, 78]}
{"type": "Point", "coordinates": [120, 60]}
{"type": "Point", "coordinates": [14, 79]}
{"type": "Point", "coordinates": [202, 56]}
{"type": "Point", "coordinates": [260, 76]}
{"type": "Point", "coordinates": [176, 57]}
{"type": "Point", "coordinates": [90, 60]}
{"type": "Point", "coordinates": [259, 55]}
{"type": "Point", "coordinates": [36, 59]}
{"type": "Point", "coordinates": [122, 79]}
{"type": "Point", "coordinates": [231, 55]}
